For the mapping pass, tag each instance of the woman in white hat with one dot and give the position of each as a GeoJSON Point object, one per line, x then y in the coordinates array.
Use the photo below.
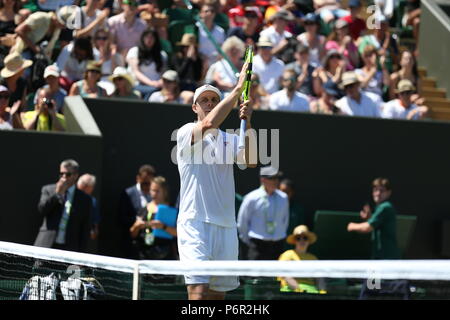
{"type": "Point", "coordinates": [302, 238]}
{"type": "Point", "coordinates": [123, 84]}
{"type": "Point", "coordinates": [12, 73]}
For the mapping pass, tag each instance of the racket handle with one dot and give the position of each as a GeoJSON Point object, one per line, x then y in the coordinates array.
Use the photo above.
{"type": "Point", "coordinates": [241, 144]}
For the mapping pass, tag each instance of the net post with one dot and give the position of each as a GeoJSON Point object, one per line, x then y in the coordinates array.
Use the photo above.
{"type": "Point", "coordinates": [136, 282]}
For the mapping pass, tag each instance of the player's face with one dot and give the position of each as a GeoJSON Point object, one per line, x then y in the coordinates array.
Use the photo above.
{"type": "Point", "coordinates": [380, 194]}
{"type": "Point", "coordinates": [207, 101]}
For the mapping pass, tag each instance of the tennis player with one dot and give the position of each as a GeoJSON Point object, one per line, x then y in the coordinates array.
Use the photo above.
{"type": "Point", "coordinates": [206, 223]}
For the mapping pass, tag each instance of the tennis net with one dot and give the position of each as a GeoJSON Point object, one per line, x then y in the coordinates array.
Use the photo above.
{"type": "Point", "coordinates": [33, 273]}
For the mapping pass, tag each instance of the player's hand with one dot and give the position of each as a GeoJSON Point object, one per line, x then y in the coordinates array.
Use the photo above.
{"type": "Point", "coordinates": [245, 111]}
{"type": "Point", "coordinates": [242, 77]}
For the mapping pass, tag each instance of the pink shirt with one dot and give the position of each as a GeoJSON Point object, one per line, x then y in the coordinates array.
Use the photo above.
{"type": "Point", "coordinates": [126, 36]}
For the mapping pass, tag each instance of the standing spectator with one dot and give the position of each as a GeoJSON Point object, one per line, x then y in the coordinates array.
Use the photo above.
{"type": "Point", "coordinates": [341, 41]}
{"type": "Point", "coordinates": [131, 201]}
{"type": "Point", "coordinates": [332, 69]}
{"type": "Point", "coordinates": [88, 87]}
{"type": "Point", "coordinates": [44, 117]}
{"type": "Point", "coordinates": [9, 117]}
{"type": "Point", "coordinates": [123, 84]}
{"type": "Point", "coordinates": [277, 31]}
{"type": "Point", "coordinates": [403, 108]}
{"type": "Point", "coordinates": [12, 73]}
{"type": "Point", "coordinates": [289, 99]}
{"type": "Point", "coordinates": [326, 103]}
{"type": "Point", "coordinates": [188, 63]}
{"type": "Point", "coordinates": [206, 47]}
{"type": "Point", "coordinates": [269, 68]}
{"type": "Point", "coordinates": [147, 62]}
{"type": "Point", "coordinates": [264, 217]}
{"type": "Point", "coordinates": [86, 183]}
{"type": "Point", "coordinates": [248, 32]}
{"type": "Point", "coordinates": [312, 39]}
{"type": "Point", "coordinates": [126, 28]}
{"type": "Point", "coordinates": [66, 212]}
{"type": "Point", "coordinates": [302, 238]}
{"type": "Point", "coordinates": [108, 57]}
{"type": "Point", "coordinates": [51, 76]}
{"type": "Point", "coordinates": [304, 69]}
{"type": "Point", "coordinates": [357, 26]}
{"type": "Point", "coordinates": [170, 91]}
{"type": "Point", "coordinates": [372, 79]}
{"type": "Point", "coordinates": [355, 102]}
{"type": "Point", "coordinates": [155, 229]}
{"type": "Point", "coordinates": [92, 19]}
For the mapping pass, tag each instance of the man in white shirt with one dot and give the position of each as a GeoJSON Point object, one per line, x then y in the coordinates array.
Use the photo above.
{"type": "Point", "coordinates": [355, 102]}
{"type": "Point", "coordinates": [206, 223]}
{"type": "Point", "coordinates": [206, 47]}
{"type": "Point", "coordinates": [268, 68]}
{"type": "Point", "coordinates": [403, 108]}
{"type": "Point", "coordinates": [277, 31]}
{"type": "Point", "coordinates": [263, 218]}
{"type": "Point", "coordinates": [289, 99]}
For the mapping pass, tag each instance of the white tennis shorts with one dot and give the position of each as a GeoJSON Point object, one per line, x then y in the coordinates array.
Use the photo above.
{"type": "Point", "coordinates": [202, 241]}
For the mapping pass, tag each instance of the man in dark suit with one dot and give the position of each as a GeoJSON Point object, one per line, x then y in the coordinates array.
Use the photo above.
{"type": "Point", "coordinates": [132, 200]}
{"type": "Point", "coordinates": [66, 212]}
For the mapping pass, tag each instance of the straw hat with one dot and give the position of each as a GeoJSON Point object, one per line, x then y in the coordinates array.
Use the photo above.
{"type": "Point", "coordinates": [302, 230]}
{"type": "Point", "coordinates": [348, 78]}
{"type": "Point", "coordinates": [405, 85]}
{"type": "Point", "coordinates": [93, 65]}
{"type": "Point", "coordinates": [187, 40]}
{"type": "Point", "coordinates": [121, 72]}
{"type": "Point", "coordinates": [264, 42]}
{"type": "Point", "coordinates": [14, 63]}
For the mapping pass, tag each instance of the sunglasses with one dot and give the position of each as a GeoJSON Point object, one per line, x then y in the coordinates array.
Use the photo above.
{"type": "Point", "coordinates": [299, 238]}
{"type": "Point", "coordinates": [251, 16]}
{"type": "Point", "coordinates": [4, 96]}
{"type": "Point", "coordinates": [67, 174]}
{"type": "Point", "coordinates": [94, 71]}
{"type": "Point", "coordinates": [101, 38]}
{"type": "Point", "coordinates": [406, 93]}
{"type": "Point", "coordinates": [290, 79]}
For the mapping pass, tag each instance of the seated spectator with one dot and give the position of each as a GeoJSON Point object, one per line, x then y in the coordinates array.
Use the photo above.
{"type": "Point", "coordinates": [326, 103]}
{"type": "Point", "coordinates": [267, 66]}
{"type": "Point", "coordinates": [92, 19]}
{"type": "Point", "coordinates": [356, 25]}
{"type": "Point", "coordinates": [51, 76]}
{"type": "Point", "coordinates": [206, 47]}
{"type": "Point", "coordinates": [236, 14]}
{"type": "Point", "coordinates": [12, 73]}
{"type": "Point", "coordinates": [341, 41]}
{"type": "Point", "coordinates": [312, 39]}
{"type": "Point", "coordinates": [277, 31]}
{"type": "Point", "coordinates": [9, 10]}
{"type": "Point", "coordinates": [108, 57]}
{"type": "Point", "coordinates": [73, 59]}
{"type": "Point", "coordinates": [249, 31]}
{"type": "Point", "coordinates": [408, 71]}
{"type": "Point", "coordinates": [332, 69]}
{"type": "Point", "coordinates": [383, 41]}
{"type": "Point", "coordinates": [289, 99]}
{"type": "Point", "coordinates": [355, 102]}
{"type": "Point", "coordinates": [9, 117]}
{"type": "Point", "coordinates": [44, 117]}
{"type": "Point", "coordinates": [304, 69]}
{"type": "Point", "coordinates": [170, 91]}
{"type": "Point", "coordinates": [259, 98]}
{"type": "Point", "coordinates": [302, 238]}
{"type": "Point", "coordinates": [154, 232]}
{"type": "Point", "coordinates": [223, 75]}
{"type": "Point", "coordinates": [403, 108]}
{"type": "Point", "coordinates": [126, 28]}
{"type": "Point", "coordinates": [147, 62]}
{"type": "Point", "coordinates": [372, 79]}
{"type": "Point", "coordinates": [88, 87]}
{"type": "Point", "coordinates": [188, 63]}
{"type": "Point", "coordinates": [123, 84]}
{"type": "Point", "coordinates": [86, 183]}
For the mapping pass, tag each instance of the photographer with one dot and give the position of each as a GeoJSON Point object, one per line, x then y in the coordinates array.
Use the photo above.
{"type": "Point", "coordinates": [44, 117]}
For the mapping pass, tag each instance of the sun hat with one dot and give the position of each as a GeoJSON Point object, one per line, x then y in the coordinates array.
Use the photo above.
{"type": "Point", "coordinates": [121, 72]}
{"type": "Point", "coordinates": [70, 16]}
{"type": "Point", "coordinates": [188, 39]}
{"type": "Point", "coordinates": [14, 63]}
{"type": "Point", "coordinates": [51, 70]}
{"type": "Point", "coordinates": [93, 65]}
{"type": "Point", "coordinates": [405, 85]}
{"type": "Point", "coordinates": [348, 78]}
{"type": "Point", "coordinates": [170, 75]}
{"type": "Point", "coordinates": [301, 230]}
{"type": "Point", "coordinates": [204, 88]}
{"type": "Point", "coordinates": [264, 42]}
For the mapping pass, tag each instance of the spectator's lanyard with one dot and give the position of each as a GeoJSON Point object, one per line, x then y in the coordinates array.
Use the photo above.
{"type": "Point", "coordinates": [269, 219]}
{"type": "Point", "coordinates": [149, 236]}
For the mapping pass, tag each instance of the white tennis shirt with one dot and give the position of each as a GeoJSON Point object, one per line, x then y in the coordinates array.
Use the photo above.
{"type": "Point", "coordinates": [206, 177]}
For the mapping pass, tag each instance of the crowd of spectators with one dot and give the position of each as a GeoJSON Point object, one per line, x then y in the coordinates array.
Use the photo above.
{"type": "Point", "coordinates": [311, 55]}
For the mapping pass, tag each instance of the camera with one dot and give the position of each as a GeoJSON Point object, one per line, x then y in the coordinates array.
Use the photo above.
{"type": "Point", "coordinates": [48, 102]}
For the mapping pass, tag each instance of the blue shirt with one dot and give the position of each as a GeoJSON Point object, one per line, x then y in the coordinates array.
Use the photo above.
{"type": "Point", "coordinates": [263, 216]}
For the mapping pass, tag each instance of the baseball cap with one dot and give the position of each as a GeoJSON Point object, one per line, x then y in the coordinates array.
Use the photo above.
{"type": "Point", "coordinates": [204, 88]}
{"type": "Point", "coordinates": [311, 17]}
{"type": "Point", "coordinates": [51, 70]}
{"type": "Point", "coordinates": [270, 172]}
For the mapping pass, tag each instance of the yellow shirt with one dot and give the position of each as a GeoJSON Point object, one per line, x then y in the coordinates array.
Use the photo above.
{"type": "Point", "coordinates": [43, 123]}
{"type": "Point", "coordinates": [292, 255]}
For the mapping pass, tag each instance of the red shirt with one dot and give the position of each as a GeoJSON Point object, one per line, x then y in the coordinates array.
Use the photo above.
{"type": "Point", "coordinates": [355, 25]}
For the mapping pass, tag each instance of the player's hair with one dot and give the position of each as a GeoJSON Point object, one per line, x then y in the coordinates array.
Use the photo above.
{"type": "Point", "coordinates": [148, 169]}
{"type": "Point", "coordinates": [382, 182]}
{"type": "Point", "coordinates": [162, 182]}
